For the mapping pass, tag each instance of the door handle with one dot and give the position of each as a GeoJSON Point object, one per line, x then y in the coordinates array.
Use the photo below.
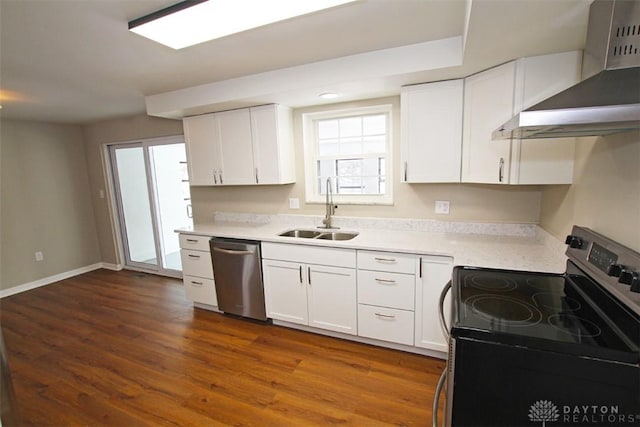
{"type": "Point", "coordinates": [501, 170]}
{"type": "Point", "coordinates": [436, 398]}
{"type": "Point", "coordinates": [443, 321]}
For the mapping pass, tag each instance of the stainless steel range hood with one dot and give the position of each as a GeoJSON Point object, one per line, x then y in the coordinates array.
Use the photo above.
{"type": "Point", "coordinates": [607, 100]}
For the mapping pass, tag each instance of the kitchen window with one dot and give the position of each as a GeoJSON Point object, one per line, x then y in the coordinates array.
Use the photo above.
{"type": "Point", "coordinates": [351, 148]}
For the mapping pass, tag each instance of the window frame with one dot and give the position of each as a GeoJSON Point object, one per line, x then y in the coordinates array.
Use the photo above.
{"type": "Point", "coordinates": [311, 155]}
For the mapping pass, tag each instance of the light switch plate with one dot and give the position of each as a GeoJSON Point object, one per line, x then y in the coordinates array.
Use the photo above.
{"type": "Point", "coordinates": [442, 207]}
{"type": "Point", "coordinates": [294, 203]}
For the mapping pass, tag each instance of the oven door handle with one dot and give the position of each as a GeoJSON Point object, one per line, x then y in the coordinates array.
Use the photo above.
{"type": "Point", "coordinates": [443, 321]}
{"type": "Point", "coordinates": [436, 398]}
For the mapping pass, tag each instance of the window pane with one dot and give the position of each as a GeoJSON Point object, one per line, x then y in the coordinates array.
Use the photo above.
{"type": "Point", "coordinates": [371, 185]}
{"type": "Point", "coordinates": [374, 144]}
{"type": "Point", "coordinates": [328, 149]}
{"type": "Point", "coordinates": [351, 126]}
{"type": "Point", "coordinates": [351, 151]}
{"type": "Point", "coordinates": [351, 146]}
{"type": "Point", "coordinates": [371, 167]}
{"type": "Point", "coordinates": [328, 129]}
{"type": "Point", "coordinates": [374, 125]}
{"type": "Point", "coordinates": [349, 185]}
{"type": "Point", "coordinates": [349, 167]}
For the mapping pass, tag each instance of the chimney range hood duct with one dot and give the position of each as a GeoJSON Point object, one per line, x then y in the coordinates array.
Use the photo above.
{"type": "Point", "coordinates": [607, 100]}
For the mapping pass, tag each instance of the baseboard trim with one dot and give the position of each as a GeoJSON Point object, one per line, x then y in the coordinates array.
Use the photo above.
{"type": "Point", "coordinates": [56, 278]}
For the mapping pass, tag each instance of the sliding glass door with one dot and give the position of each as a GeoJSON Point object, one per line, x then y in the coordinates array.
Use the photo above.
{"type": "Point", "coordinates": [152, 195]}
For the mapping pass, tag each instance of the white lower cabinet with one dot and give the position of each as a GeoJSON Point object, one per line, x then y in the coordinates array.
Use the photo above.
{"type": "Point", "coordinates": [386, 296]}
{"type": "Point", "coordinates": [197, 269]}
{"type": "Point", "coordinates": [391, 297]}
{"type": "Point", "coordinates": [300, 288]}
{"type": "Point", "coordinates": [386, 324]}
{"type": "Point", "coordinates": [435, 273]}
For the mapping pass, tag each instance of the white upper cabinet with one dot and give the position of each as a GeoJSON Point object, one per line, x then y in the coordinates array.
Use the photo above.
{"type": "Point", "coordinates": [202, 138]}
{"type": "Point", "coordinates": [241, 147]}
{"type": "Point", "coordinates": [494, 96]}
{"type": "Point", "coordinates": [274, 156]}
{"type": "Point", "coordinates": [544, 161]}
{"type": "Point", "coordinates": [236, 148]}
{"type": "Point", "coordinates": [432, 131]}
{"type": "Point", "coordinates": [488, 103]}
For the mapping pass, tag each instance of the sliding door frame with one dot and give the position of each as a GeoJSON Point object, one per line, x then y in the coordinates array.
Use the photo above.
{"type": "Point", "coordinates": [116, 207]}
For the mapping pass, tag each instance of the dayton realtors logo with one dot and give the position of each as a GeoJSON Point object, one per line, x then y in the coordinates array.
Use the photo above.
{"type": "Point", "coordinates": [545, 411]}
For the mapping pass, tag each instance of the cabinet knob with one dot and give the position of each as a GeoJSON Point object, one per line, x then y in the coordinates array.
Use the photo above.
{"type": "Point", "coordinates": [614, 270]}
{"type": "Point", "coordinates": [627, 276]}
{"type": "Point", "coordinates": [574, 242]}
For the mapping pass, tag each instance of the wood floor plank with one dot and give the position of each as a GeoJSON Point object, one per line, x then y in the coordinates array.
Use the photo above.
{"type": "Point", "coordinates": [127, 349]}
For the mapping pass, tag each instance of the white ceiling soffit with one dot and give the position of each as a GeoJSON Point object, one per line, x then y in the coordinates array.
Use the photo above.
{"type": "Point", "coordinates": [301, 85]}
{"type": "Point", "coordinates": [69, 61]}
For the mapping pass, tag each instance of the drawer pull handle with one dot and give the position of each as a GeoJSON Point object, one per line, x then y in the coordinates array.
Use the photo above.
{"type": "Point", "coordinates": [194, 256]}
{"type": "Point", "coordinates": [385, 281]}
{"type": "Point", "coordinates": [386, 316]}
{"type": "Point", "coordinates": [390, 260]}
{"type": "Point", "coordinates": [192, 240]}
{"type": "Point", "coordinates": [197, 283]}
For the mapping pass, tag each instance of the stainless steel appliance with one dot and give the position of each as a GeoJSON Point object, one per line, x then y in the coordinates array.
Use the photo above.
{"type": "Point", "coordinates": [530, 348]}
{"type": "Point", "coordinates": [237, 274]}
{"type": "Point", "coordinates": [607, 100]}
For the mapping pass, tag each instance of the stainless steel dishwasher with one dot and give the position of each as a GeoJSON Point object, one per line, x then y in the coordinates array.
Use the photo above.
{"type": "Point", "coordinates": [237, 274]}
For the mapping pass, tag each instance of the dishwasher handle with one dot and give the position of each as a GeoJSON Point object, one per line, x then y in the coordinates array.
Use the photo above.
{"type": "Point", "coordinates": [233, 252]}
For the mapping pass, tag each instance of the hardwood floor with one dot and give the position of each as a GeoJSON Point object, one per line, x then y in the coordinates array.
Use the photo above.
{"type": "Point", "coordinates": [127, 349]}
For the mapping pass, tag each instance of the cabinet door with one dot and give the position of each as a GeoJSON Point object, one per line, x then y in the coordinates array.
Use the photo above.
{"type": "Point", "coordinates": [236, 149]}
{"type": "Point", "coordinates": [285, 291]}
{"type": "Point", "coordinates": [332, 298]}
{"type": "Point", "coordinates": [273, 144]}
{"type": "Point", "coordinates": [544, 161]}
{"type": "Point", "coordinates": [432, 131]}
{"type": "Point", "coordinates": [202, 139]}
{"type": "Point", "coordinates": [488, 103]}
{"type": "Point", "coordinates": [436, 272]}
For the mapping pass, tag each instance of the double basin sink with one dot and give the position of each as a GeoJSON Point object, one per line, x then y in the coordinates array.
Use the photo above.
{"type": "Point", "coordinates": [322, 235]}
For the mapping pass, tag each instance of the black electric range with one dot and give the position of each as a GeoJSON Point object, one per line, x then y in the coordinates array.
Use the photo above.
{"type": "Point", "coordinates": [531, 348]}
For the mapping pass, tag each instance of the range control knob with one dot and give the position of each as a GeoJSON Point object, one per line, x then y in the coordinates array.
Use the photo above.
{"type": "Point", "coordinates": [635, 284]}
{"type": "Point", "coordinates": [626, 276]}
{"type": "Point", "coordinates": [574, 242]}
{"type": "Point", "coordinates": [614, 270]}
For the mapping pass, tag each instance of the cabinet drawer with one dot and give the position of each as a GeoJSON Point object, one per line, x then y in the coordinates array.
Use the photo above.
{"type": "Point", "coordinates": [200, 290]}
{"type": "Point", "coordinates": [193, 242]}
{"type": "Point", "coordinates": [385, 324]}
{"type": "Point", "coordinates": [305, 254]}
{"type": "Point", "coordinates": [196, 263]}
{"type": "Point", "coordinates": [387, 261]}
{"type": "Point", "coordinates": [395, 290]}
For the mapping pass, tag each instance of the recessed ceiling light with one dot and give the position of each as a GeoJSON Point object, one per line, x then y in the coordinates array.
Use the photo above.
{"type": "Point", "coordinates": [328, 95]}
{"type": "Point", "coordinates": [191, 22]}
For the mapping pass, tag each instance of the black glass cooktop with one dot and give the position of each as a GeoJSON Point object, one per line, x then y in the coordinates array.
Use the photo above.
{"type": "Point", "coordinates": [536, 310]}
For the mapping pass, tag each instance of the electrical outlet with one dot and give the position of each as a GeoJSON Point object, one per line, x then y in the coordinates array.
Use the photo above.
{"type": "Point", "coordinates": [102, 194]}
{"type": "Point", "coordinates": [294, 203]}
{"type": "Point", "coordinates": [39, 256]}
{"type": "Point", "coordinates": [442, 207]}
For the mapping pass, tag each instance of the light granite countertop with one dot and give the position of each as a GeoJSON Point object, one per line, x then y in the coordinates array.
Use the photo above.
{"type": "Point", "coordinates": [508, 246]}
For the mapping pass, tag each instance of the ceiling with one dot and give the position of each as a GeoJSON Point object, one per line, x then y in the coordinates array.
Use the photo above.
{"type": "Point", "coordinates": [76, 62]}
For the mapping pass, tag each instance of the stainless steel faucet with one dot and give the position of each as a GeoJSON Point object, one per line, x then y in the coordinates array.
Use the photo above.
{"type": "Point", "coordinates": [330, 208]}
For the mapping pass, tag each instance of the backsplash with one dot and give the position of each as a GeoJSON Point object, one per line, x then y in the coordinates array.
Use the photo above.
{"type": "Point", "coordinates": [404, 224]}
